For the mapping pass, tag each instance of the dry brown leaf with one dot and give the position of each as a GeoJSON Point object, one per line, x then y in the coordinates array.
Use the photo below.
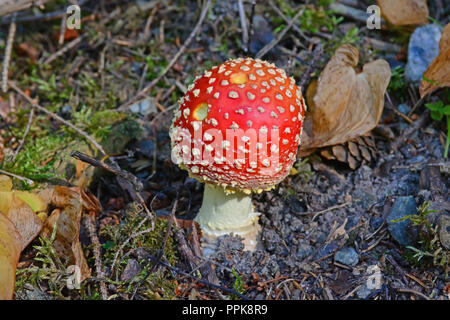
{"type": "Point", "coordinates": [438, 73]}
{"type": "Point", "coordinates": [344, 104]}
{"type": "Point", "coordinates": [67, 218]}
{"type": "Point", "coordinates": [10, 247]}
{"type": "Point", "coordinates": [20, 207]}
{"type": "Point", "coordinates": [405, 12]}
{"type": "Point", "coordinates": [26, 221]}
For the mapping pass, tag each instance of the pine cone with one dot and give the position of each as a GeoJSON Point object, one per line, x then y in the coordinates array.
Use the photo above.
{"type": "Point", "coordinates": [353, 153]}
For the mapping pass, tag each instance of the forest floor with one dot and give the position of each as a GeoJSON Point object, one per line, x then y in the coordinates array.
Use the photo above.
{"type": "Point", "coordinates": [325, 232]}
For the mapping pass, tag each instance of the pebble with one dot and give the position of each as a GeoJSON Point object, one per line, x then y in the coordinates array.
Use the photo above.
{"type": "Point", "coordinates": [144, 107]}
{"type": "Point", "coordinates": [347, 256]}
{"type": "Point", "coordinates": [304, 251]}
{"type": "Point", "coordinates": [423, 48]}
{"type": "Point", "coordinates": [262, 36]}
{"type": "Point", "coordinates": [363, 292]}
{"type": "Point", "coordinates": [402, 231]}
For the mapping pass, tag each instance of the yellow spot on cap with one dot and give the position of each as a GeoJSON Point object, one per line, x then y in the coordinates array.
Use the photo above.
{"type": "Point", "coordinates": [238, 78]}
{"type": "Point", "coordinates": [201, 111]}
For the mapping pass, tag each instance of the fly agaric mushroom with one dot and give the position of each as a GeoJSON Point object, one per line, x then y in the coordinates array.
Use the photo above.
{"type": "Point", "coordinates": [237, 130]}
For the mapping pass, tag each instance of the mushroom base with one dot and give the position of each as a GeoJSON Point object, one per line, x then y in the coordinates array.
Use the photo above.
{"type": "Point", "coordinates": [226, 213]}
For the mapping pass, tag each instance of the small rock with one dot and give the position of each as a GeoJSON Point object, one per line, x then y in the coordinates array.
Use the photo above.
{"type": "Point", "coordinates": [404, 108]}
{"type": "Point", "coordinates": [131, 270]}
{"type": "Point", "coordinates": [444, 231]}
{"type": "Point", "coordinates": [363, 292]}
{"type": "Point", "coordinates": [423, 48]}
{"type": "Point", "coordinates": [347, 256]}
{"type": "Point", "coordinates": [263, 34]}
{"type": "Point", "coordinates": [144, 107]}
{"type": "Point", "coordinates": [304, 251]}
{"type": "Point", "coordinates": [402, 231]}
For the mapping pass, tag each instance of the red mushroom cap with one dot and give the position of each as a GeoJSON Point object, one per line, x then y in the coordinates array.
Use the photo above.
{"type": "Point", "coordinates": [239, 125]}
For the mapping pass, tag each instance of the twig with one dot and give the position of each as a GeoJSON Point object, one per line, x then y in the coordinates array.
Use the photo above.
{"type": "Point", "coordinates": [252, 16]}
{"type": "Point", "coordinates": [317, 213]}
{"type": "Point", "coordinates": [420, 122]}
{"type": "Point", "coordinates": [56, 117]}
{"type": "Point", "coordinates": [22, 141]}
{"type": "Point", "coordinates": [63, 50]}
{"type": "Point", "coordinates": [307, 74]}
{"type": "Point", "coordinates": [243, 25]}
{"type": "Point", "coordinates": [90, 226]}
{"type": "Point", "coordinates": [62, 30]}
{"type": "Point", "coordinates": [28, 181]}
{"type": "Point", "coordinates": [420, 294]}
{"type": "Point", "coordinates": [9, 42]}
{"type": "Point", "coordinates": [150, 18]}
{"type": "Point", "coordinates": [138, 186]}
{"type": "Point", "coordinates": [174, 59]}
{"type": "Point", "coordinates": [294, 26]}
{"type": "Point", "coordinates": [274, 42]}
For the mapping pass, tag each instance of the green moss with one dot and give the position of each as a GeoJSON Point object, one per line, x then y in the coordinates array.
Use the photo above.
{"type": "Point", "coordinates": [37, 157]}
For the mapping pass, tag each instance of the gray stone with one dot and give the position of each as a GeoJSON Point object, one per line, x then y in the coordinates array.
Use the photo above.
{"type": "Point", "coordinates": [404, 108]}
{"type": "Point", "coordinates": [304, 251]}
{"type": "Point", "coordinates": [347, 256]}
{"type": "Point", "coordinates": [363, 292]}
{"type": "Point", "coordinates": [402, 231]}
{"type": "Point", "coordinates": [144, 107]}
{"type": "Point", "coordinates": [423, 48]}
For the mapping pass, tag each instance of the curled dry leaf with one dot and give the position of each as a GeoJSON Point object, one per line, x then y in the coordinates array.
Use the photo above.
{"type": "Point", "coordinates": [20, 207]}
{"type": "Point", "coordinates": [10, 247]}
{"type": "Point", "coordinates": [67, 217]}
{"type": "Point", "coordinates": [405, 12]}
{"type": "Point", "coordinates": [438, 73]}
{"type": "Point", "coordinates": [344, 104]}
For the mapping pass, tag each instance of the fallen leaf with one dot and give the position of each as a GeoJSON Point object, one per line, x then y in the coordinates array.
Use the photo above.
{"type": "Point", "coordinates": [67, 218]}
{"type": "Point", "coordinates": [26, 221]}
{"type": "Point", "coordinates": [5, 183]}
{"type": "Point", "coordinates": [344, 104]}
{"type": "Point", "coordinates": [28, 50]}
{"type": "Point", "coordinates": [69, 34]}
{"type": "Point", "coordinates": [405, 12]}
{"type": "Point", "coordinates": [438, 73]}
{"type": "Point", "coordinates": [20, 208]}
{"type": "Point", "coordinates": [10, 247]}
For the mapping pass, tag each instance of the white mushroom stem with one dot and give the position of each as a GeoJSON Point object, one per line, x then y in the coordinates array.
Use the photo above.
{"type": "Point", "coordinates": [224, 213]}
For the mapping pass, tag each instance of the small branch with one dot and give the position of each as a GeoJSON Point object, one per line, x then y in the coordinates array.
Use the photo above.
{"type": "Point", "coordinates": [294, 26]}
{"type": "Point", "coordinates": [420, 122]}
{"type": "Point", "coordinates": [420, 294]}
{"type": "Point", "coordinates": [62, 30]}
{"type": "Point", "coordinates": [274, 42]}
{"type": "Point", "coordinates": [63, 50]}
{"type": "Point", "coordinates": [137, 184]}
{"type": "Point", "coordinates": [28, 181]}
{"type": "Point", "coordinates": [317, 213]}
{"type": "Point", "coordinates": [174, 59]}
{"type": "Point", "coordinates": [9, 42]}
{"type": "Point", "coordinates": [243, 25]}
{"type": "Point", "coordinates": [90, 226]}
